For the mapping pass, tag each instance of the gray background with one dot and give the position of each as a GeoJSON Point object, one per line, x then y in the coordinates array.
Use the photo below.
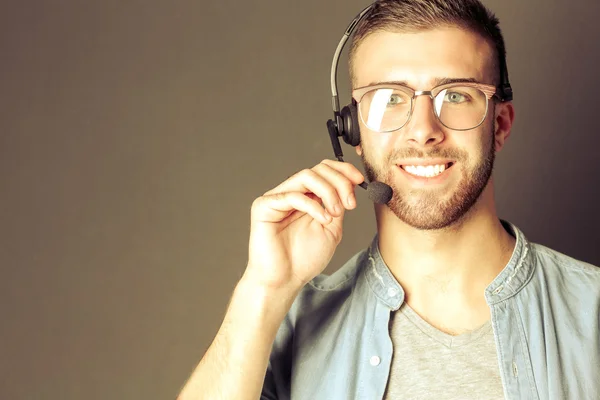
{"type": "Point", "coordinates": [134, 136]}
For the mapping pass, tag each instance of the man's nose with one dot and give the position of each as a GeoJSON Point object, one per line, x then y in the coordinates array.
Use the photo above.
{"type": "Point", "coordinates": [423, 129]}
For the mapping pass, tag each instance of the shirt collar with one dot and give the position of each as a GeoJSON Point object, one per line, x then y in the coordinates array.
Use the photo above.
{"type": "Point", "coordinates": [517, 272]}
{"type": "Point", "coordinates": [509, 281]}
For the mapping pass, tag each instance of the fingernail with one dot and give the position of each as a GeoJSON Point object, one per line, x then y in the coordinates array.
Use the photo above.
{"type": "Point", "coordinates": [350, 201]}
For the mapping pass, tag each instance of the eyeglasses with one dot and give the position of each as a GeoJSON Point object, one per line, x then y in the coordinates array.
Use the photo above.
{"type": "Point", "coordinates": [458, 106]}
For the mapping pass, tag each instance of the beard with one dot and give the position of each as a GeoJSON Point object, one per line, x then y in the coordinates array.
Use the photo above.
{"type": "Point", "coordinates": [425, 209]}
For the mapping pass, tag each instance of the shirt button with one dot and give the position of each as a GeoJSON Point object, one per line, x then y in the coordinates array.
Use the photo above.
{"type": "Point", "coordinates": [392, 292]}
{"type": "Point", "coordinates": [375, 361]}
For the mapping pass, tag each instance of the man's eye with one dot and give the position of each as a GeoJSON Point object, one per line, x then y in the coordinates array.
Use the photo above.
{"type": "Point", "coordinates": [395, 99]}
{"type": "Point", "coordinates": [455, 97]}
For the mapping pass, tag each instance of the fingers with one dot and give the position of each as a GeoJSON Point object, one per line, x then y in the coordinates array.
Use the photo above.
{"type": "Point", "coordinates": [278, 206]}
{"type": "Point", "coordinates": [344, 187]}
{"type": "Point", "coordinates": [333, 182]}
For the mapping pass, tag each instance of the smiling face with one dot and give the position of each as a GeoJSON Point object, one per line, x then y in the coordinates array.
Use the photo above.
{"type": "Point", "coordinates": [437, 174]}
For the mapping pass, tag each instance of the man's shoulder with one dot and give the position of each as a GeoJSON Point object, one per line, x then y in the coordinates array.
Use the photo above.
{"type": "Point", "coordinates": [342, 277]}
{"type": "Point", "coordinates": [330, 292]}
{"type": "Point", "coordinates": [565, 269]}
{"type": "Point", "coordinates": [561, 261]}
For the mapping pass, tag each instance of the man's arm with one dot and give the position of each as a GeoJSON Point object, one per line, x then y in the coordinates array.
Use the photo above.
{"type": "Point", "coordinates": [294, 231]}
{"type": "Point", "coordinates": [235, 364]}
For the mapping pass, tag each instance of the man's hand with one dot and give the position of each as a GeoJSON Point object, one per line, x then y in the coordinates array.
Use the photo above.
{"type": "Point", "coordinates": [296, 227]}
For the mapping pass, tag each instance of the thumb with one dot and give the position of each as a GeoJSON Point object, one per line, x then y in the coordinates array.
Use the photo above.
{"type": "Point", "coordinates": [335, 227]}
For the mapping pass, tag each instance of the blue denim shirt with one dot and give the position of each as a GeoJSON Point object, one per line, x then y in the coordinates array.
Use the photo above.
{"type": "Point", "coordinates": [545, 311]}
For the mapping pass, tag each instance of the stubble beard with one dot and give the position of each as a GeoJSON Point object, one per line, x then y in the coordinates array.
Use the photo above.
{"type": "Point", "coordinates": [423, 209]}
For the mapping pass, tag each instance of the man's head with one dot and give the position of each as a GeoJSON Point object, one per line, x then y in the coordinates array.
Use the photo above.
{"type": "Point", "coordinates": [418, 44]}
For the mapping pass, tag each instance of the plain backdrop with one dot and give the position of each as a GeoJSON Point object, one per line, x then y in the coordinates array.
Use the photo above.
{"type": "Point", "coordinates": [134, 136]}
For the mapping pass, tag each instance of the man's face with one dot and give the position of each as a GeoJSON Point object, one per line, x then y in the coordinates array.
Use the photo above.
{"type": "Point", "coordinates": [420, 60]}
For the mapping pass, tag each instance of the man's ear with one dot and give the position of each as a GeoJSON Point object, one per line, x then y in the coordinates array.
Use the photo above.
{"type": "Point", "coordinates": [505, 116]}
{"type": "Point", "coordinates": [358, 150]}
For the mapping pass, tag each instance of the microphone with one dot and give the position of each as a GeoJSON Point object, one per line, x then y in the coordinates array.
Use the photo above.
{"type": "Point", "coordinates": [378, 192]}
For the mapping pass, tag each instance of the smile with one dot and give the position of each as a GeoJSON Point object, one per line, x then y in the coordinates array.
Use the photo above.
{"type": "Point", "coordinates": [426, 171]}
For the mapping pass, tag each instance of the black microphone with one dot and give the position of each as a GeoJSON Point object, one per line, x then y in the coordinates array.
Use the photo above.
{"type": "Point", "coordinates": [378, 192]}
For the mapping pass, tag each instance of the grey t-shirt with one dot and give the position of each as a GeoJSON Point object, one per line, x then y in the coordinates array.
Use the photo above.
{"type": "Point", "coordinates": [430, 364]}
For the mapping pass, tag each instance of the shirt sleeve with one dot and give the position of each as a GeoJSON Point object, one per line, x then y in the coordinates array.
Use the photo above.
{"type": "Point", "coordinates": [277, 383]}
{"type": "Point", "coordinates": [269, 390]}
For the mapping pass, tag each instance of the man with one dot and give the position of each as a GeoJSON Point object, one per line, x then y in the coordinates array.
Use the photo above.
{"type": "Point", "coordinates": [448, 302]}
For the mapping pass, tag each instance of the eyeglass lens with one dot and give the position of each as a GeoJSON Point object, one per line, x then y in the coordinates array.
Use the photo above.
{"type": "Point", "coordinates": [389, 109]}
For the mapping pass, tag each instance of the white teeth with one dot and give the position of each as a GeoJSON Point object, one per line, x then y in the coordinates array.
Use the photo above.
{"type": "Point", "coordinates": [428, 171]}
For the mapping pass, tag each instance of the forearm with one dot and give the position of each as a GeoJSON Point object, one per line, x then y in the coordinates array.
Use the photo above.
{"type": "Point", "coordinates": [235, 364]}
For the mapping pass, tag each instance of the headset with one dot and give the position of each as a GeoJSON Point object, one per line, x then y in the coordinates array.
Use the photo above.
{"type": "Point", "coordinates": [345, 122]}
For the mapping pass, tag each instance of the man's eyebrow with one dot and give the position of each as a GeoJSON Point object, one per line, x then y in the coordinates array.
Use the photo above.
{"type": "Point", "coordinates": [437, 82]}
{"type": "Point", "coordinates": [444, 81]}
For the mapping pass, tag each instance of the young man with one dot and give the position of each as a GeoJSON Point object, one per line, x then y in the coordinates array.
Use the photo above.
{"type": "Point", "coordinates": [448, 302]}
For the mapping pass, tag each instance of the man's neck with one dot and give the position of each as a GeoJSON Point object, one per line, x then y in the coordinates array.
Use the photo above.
{"type": "Point", "coordinates": [447, 269]}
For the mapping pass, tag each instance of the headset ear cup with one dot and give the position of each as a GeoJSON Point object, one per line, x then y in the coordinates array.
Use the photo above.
{"type": "Point", "coordinates": [351, 129]}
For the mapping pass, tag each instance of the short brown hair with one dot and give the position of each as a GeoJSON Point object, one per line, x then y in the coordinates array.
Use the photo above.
{"type": "Point", "coordinates": [419, 15]}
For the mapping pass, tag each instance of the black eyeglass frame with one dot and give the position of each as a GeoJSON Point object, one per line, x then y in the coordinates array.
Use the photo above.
{"type": "Point", "coordinates": [490, 92]}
